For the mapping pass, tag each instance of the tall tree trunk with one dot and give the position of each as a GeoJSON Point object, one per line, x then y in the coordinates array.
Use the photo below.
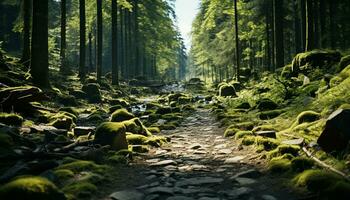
{"type": "Point", "coordinates": [279, 39]}
{"type": "Point", "coordinates": [40, 54]}
{"type": "Point", "coordinates": [63, 67]}
{"type": "Point", "coordinates": [316, 13]}
{"type": "Point", "coordinates": [122, 42]}
{"type": "Point", "coordinates": [273, 66]}
{"type": "Point", "coordinates": [297, 30]}
{"type": "Point", "coordinates": [237, 41]}
{"type": "Point", "coordinates": [323, 24]}
{"type": "Point", "coordinates": [90, 53]}
{"type": "Point", "coordinates": [27, 13]}
{"type": "Point", "coordinates": [333, 24]}
{"type": "Point", "coordinates": [303, 23]}
{"type": "Point", "coordinates": [309, 26]}
{"type": "Point", "coordinates": [267, 30]}
{"type": "Point", "coordinates": [130, 65]}
{"type": "Point", "coordinates": [115, 76]}
{"type": "Point", "coordinates": [82, 70]}
{"type": "Point", "coordinates": [137, 39]}
{"type": "Point", "coordinates": [99, 40]}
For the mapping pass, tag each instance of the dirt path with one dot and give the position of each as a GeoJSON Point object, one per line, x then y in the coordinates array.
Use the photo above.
{"type": "Point", "coordinates": [199, 163]}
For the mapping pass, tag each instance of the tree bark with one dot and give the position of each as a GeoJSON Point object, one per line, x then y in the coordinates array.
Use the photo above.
{"type": "Point", "coordinates": [27, 6]}
{"type": "Point", "coordinates": [333, 27]}
{"type": "Point", "coordinates": [323, 24]}
{"type": "Point", "coordinates": [309, 26]}
{"type": "Point", "coordinates": [279, 39]}
{"type": "Point", "coordinates": [297, 30]}
{"type": "Point", "coordinates": [303, 23]}
{"type": "Point", "coordinates": [99, 40]}
{"type": "Point", "coordinates": [40, 54]}
{"type": "Point", "coordinates": [90, 52]}
{"type": "Point", "coordinates": [115, 76]}
{"type": "Point", "coordinates": [136, 37]}
{"type": "Point", "coordinates": [237, 42]}
{"type": "Point", "coordinates": [63, 67]}
{"type": "Point", "coordinates": [82, 26]}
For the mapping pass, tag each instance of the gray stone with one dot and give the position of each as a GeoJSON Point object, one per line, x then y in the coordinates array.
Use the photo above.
{"type": "Point", "coordinates": [164, 163]}
{"type": "Point", "coordinates": [233, 160]}
{"type": "Point", "coordinates": [269, 134]}
{"type": "Point", "coordinates": [209, 198]}
{"type": "Point", "coordinates": [239, 192]}
{"type": "Point", "coordinates": [127, 195]}
{"type": "Point", "coordinates": [245, 181]}
{"type": "Point", "coordinates": [268, 197]}
{"type": "Point", "coordinates": [251, 173]}
{"type": "Point", "coordinates": [195, 146]}
{"type": "Point", "coordinates": [179, 198]}
{"type": "Point", "coordinates": [83, 130]}
{"type": "Point", "coordinates": [294, 142]}
{"type": "Point", "coordinates": [161, 190]}
{"type": "Point", "coordinates": [199, 181]}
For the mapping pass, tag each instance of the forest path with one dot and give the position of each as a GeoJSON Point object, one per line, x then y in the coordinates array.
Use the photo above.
{"type": "Point", "coordinates": [198, 163]}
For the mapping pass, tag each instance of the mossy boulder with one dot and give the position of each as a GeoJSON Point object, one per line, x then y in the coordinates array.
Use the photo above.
{"type": "Point", "coordinates": [287, 72]}
{"type": "Point", "coordinates": [63, 120]}
{"type": "Point", "coordinates": [37, 188]}
{"type": "Point", "coordinates": [340, 190]}
{"type": "Point", "coordinates": [300, 164]}
{"type": "Point", "coordinates": [154, 130]}
{"type": "Point", "coordinates": [231, 131]}
{"type": "Point", "coordinates": [66, 100]}
{"type": "Point", "coordinates": [344, 62]}
{"type": "Point", "coordinates": [113, 134]}
{"type": "Point", "coordinates": [308, 116]}
{"type": "Point", "coordinates": [184, 100]}
{"type": "Point", "coordinates": [305, 62]}
{"type": "Point", "coordinates": [136, 139]}
{"type": "Point", "coordinates": [11, 119]}
{"type": "Point", "coordinates": [120, 102]}
{"type": "Point", "coordinates": [284, 149]}
{"type": "Point", "coordinates": [267, 144]}
{"type": "Point", "coordinates": [316, 180]}
{"type": "Point", "coordinates": [243, 105]}
{"type": "Point", "coordinates": [266, 104]}
{"type": "Point", "coordinates": [227, 90]}
{"type": "Point", "coordinates": [79, 94]}
{"type": "Point", "coordinates": [270, 114]}
{"type": "Point", "coordinates": [280, 165]}
{"type": "Point", "coordinates": [92, 91]}
{"type": "Point", "coordinates": [80, 190]}
{"type": "Point", "coordinates": [121, 115]}
{"type": "Point", "coordinates": [135, 126]}
{"type": "Point", "coordinates": [70, 110]}
{"type": "Point", "coordinates": [78, 166]}
{"type": "Point", "coordinates": [241, 134]}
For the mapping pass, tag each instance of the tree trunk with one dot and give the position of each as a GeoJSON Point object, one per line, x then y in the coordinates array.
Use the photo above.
{"type": "Point", "coordinates": [63, 67]}
{"type": "Point", "coordinates": [40, 54]}
{"type": "Point", "coordinates": [137, 39]}
{"type": "Point", "coordinates": [99, 40]}
{"type": "Point", "coordinates": [82, 26]}
{"type": "Point", "coordinates": [297, 30]}
{"type": "Point", "coordinates": [323, 24]}
{"type": "Point", "coordinates": [27, 6]}
{"type": "Point", "coordinates": [122, 42]}
{"type": "Point", "coordinates": [333, 24]}
{"type": "Point", "coordinates": [279, 39]}
{"type": "Point", "coordinates": [115, 76]}
{"type": "Point", "coordinates": [309, 26]}
{"type": "Point", "coordinates": [237, 41]}
{"type": "Point", "coordinates": [267, 30]}
{"type": "Point", "coordinates": [130, 66]}
{"type": "Point", "coordinates": [316, 13]}
{"type": "Point", "coordinates": [273, 66]}
{"type": "Point", "coordinates": [303, 23]}
{"type": "Point", "coordinates": [90, 53]}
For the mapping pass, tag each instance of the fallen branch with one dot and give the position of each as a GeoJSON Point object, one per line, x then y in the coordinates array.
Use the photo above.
{"type": "Point", "coordinates": [324, 165]}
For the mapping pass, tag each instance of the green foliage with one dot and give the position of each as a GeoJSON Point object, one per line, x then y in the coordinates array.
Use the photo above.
{"type": "Point", "coordinates": [280, 165]}
{"type": "Point", "coordinates": [316, 180]}
{"type": "Point", "coordinates": [241, 134]}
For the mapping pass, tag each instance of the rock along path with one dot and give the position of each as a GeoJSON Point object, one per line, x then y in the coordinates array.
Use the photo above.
{"type": "Point", "coordinates": [199, 163]}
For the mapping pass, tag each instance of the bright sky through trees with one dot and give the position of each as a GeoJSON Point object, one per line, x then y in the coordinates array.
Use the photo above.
{"type": "Point", "coordinates": [186, 11]}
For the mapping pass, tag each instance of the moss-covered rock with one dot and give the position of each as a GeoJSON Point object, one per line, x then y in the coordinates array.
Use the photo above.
{"type": "Point", "coordinates": [136, 139]}
{"type": "Point", "coordinates": [227, 90]}
{"type": "Point", "coordinates": [70, 110]}
{"type": "Point", "coordinates": [63, 120]}
{"type": "Point", "coordinates": [248, 140]}
{"type": "Point", "coordinates": [81, 189]}
{"type": "Point", "coordinates": [92, 91]}
{"type": "Point", "coordinates": [316, 180]}
{"type": "Point", "coordinates": [287, 72]}
{"type": "Point", "coordinates": [135, 126]}
{"type": "Point", "coordinates": [300, 164]}
{"type": "Point", "coordinates": [31, 188]}
{"type": "Point", "coordinates": [344, 62]}
{"type": "Point", "coordinates": [184, 100]}
{"type": "Point", "coordinates": [268, 144]}
{"type": "Point", "coordinates": [231, 131]}
{"type": "Point", "coordinates": [308, 116]}
{"type": "Point", "coordinates": [271, 114]}
{"type": "Point", "coordinates": [279, 165]}
{"type": "Point", "coordinates": [154, 130]}
{"type": "Point", "coordinates": [340, 191]}
{"type": "Point", "coordinates": [241, 134]}
{"type": "Point", "coordinates": [284, 149]}
{"type": "Point", "coordinates": [120, 102]}
{"type": "Point", "coordinates": [11, 119]}
{"type": "Point", "coordinates": [246, 126]}
{"type": "Point", "coordinates": [113, 134]}
{"type": "Point", "coordinates": [156, 141]}
{"type": "Point", "coordinates": [121, 115]}
{"type": "Point", "coordinates": [266, 104]}
{"type": "Point", "coordinates": [63, 174]}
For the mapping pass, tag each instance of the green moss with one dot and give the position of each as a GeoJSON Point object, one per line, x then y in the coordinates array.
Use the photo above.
{"type": "Point", "coordinates": [30, 188]}
{"type": "Point", "coordinates": [117, 159]}
{"type": "Point", "coordinates": [70, 110]}
{"type": "Point", "coordinates": [316, 180]}
{"type": "Point", "coordinates": [62, 120]}
{"type": "Point", "coordinates": [188, 108]}
{"type": "Point", "coordinates": [226, 90]}
{"type": "Point", "coordinates": [284, 149]}
{"type": "Point", "coordinates": [156, 141]}
{"type": "Point", "coordinates": [279, 165]}
{"type": "Point", "coordinates": [121, 115]}
{"type": "Point", "coordinates": [93, 92]}
{"type": "Point", "coordinates": [172, 116]}
{"type": "Point", "coordinates": [112, 109]}
{"type": "Point", "coordinates": [135, 126]}
{"type": "Point", "coordinates": [231, 131]}
{"type": "Point", "coordinates": [111, 133]}
{"type": "Point", "coordinates": [136, 139]}
{"type": "Point", "coordinates": [63, 174]}
{"type": "Point", "coordinates": [248, 140]}
{"type": "Point", "coordinates": [241, 134]}
{"type": "Point", "coordinates": [140, 148]}
{"type": "Point", "coordinates": [307, 116]}
{"type": "Point", "coordinates": [6, 140]}
{"type": "Point", "coordinates": [184, 100]}
{"type": "Point", "coordinates": [267, 143]}
{"type": "Point", "coordinates": [153, 130]}
{"type": "Point", "coordinates": [168, 126]}
{"type": "Point", "coordinates": [82, 165]}
{"type": "Point", "coordinates": [80, 189]}
{"type": "Point", "coordinates": [300, 164]}
{"type": "Point", "coordinates": [265, 127]}
{"type": "Point", "coordinates": [247, 126]}
{"type": "Point", "coordinates": [11, 119]}
{"type": "Point", "coordinates": [339, 190]}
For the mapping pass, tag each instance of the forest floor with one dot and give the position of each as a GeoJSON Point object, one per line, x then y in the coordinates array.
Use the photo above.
{"type": "Point", "coordinates": [199, 163]}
